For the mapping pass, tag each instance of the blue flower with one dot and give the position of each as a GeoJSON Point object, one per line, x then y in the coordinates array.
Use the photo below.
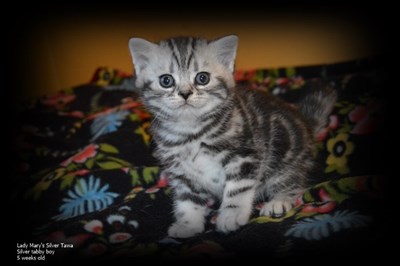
{"type": "Point", "coordinates": [85, 197]}
{"type": "Point", "coordinates": [322, 226]}
{"type": "Point", "coordinates": [107, 123]}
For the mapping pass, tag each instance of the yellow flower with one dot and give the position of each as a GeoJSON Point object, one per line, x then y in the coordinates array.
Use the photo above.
{"type": "Point", "coordinates": [105, 76]}
{"type": "Point", "coordinates": [339, 148]}
{"type": "Point", "coordinates": [143, 131]}
{"type": "Point", "coordinates": [44, 183]}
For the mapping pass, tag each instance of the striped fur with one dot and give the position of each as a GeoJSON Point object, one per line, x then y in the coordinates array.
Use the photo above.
{"type": "Point", "coordinates": [233, 145]}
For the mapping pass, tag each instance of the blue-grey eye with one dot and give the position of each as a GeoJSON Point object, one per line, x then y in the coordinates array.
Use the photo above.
{"type": "Point", "coordinates": [202, 78]}
{"type": "Point", "coordinates": [167, 81]}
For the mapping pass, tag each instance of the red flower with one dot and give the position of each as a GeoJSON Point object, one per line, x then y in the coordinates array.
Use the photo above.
{"type": "Point", "coordinates": [358, 113]}
{"type": "Point", "coordinates": [104, 112]}
{"type": "Point", "coordinates": [153, 189]}
{"type": "Point", "coordinates": [163, 181]}
{"type": "Point", "coordinates": [297, 82]}
{"type": "Point", "coordinates": [241, 75]}
{"type": "Point", "coordinates": [59, 100]}
{"type": "Point", "coordinates": [81, 172]}
{"type": "Point", "coordinates": [367, 118]}
{"type": "Point", "coordinates": [75, 114]}
{"type": "Point", "coordinates": [125, 169]}
{"type": "Point", "coordinates": [324, 206]}
{"type": "Point", "coordinates": [94, 226]}
{"type": "Point", "coordinates": [142, 114]}
{"type": "Point", "coordinates": [119, 237]}
{"type": "Point", "coordinates": [299, 201]}
{"type": "Point", "coordinates": [81, 157]}
{"type": "Point", "coordinates": [282, 81]}
{"type": "Point", "coordinates": [129, 103]}
{"type": "Point", "coordinates": [333, 124]}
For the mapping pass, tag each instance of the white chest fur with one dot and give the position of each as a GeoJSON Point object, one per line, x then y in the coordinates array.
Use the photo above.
{"type": "Point", "coordinates": [202, 168]}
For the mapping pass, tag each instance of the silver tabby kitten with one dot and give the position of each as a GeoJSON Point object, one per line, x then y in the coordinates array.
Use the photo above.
{"type": "Point", "coordinates": [217, 141]}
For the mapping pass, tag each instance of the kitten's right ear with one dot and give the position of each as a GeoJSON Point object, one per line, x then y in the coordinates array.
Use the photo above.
{"type": "Point", "coordinates": [141, 51]}
{"type": "Point", "coordinates": [225, 49]}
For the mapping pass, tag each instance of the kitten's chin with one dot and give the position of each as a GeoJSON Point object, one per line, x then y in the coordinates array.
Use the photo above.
{"type": "Point", "coordinates": [186, 110]}
{"type": "Point", "coordinates": [189, 112]}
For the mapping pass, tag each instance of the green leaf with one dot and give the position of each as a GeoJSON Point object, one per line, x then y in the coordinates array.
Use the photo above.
{"type": "Point", "coordinates": [66, 181]}
{"type": "Point", "coordinates": [290, 72]}
{"type": "Point", "coordinates": [319, 146]}
{"type": "Point", "coordinates": [259, 76]}
{"type": "Point", "coordinates": [135, 177]}
{"type": "Point", "coordinates": [134, 117]}
{"type": "Point", "coordinates": [108, 148]}
{"type": "Point", "coordinates": [152, 196]}
{"type": "Point", "coordinates": [338, 104]}
{"type": "Point", "coordinates": [68, 90]}
{"type": "Point", "coordinates": [347, 109]}
{"type": "Point", "coordinates": [343, 170]}
{"type": "Point", "coordinates": [89, 163]}
{"type": "Point", "coordinates": [117, 80]}
{"type": "Point", "coordinates": [41, 174]}
{"type": "Point", "coordinates": [307, 197]}
{"type": "Point", "coordinates": [344, 129]}
{"type": "Point", "coordinates": [78, 186]}
{"type": "Point", "coordinates": [349, 184]}
{"type": "Point", "coordinates": [274, 72]}
{"type": "Point", "coordinates": [302, 215]}
{"type": "Point", "coordinates": [109, 165]}
{"type": "Point", "coordinates": [168, 191]}
{"type": "Point", "coordinates": [330, 168]}
{"type": "Point", "coordinates": [71, 167]}
{"type": "Point", "coordinates": [335, 194]}
{"type": "Point", "coordinates": [344, 111]}
{"type": "Point", "coordinates": [150, 173]}
{"type": "Point", "coordinates": [122, 162]}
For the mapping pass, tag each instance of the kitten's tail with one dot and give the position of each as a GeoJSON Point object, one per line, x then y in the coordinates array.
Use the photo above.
{"type": "Point", "coordinates": [317, 105]}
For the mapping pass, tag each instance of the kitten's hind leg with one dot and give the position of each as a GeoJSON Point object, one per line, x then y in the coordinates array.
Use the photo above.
{"type": "Point", "coordinates": [282, 192]}
{"type": "Point", "coordinates": [278, 206]}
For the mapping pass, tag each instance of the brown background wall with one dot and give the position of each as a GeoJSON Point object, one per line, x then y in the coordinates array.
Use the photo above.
{"type": "Point", "coordinates": [64, 50]}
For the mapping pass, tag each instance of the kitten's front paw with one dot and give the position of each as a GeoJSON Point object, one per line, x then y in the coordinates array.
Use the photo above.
{"type": "Point", "coordinates": [277, 207]}
{"type": "Point", "coordinates": [231, 219]}
{"type": "Point", "coordinates": [182, 230]}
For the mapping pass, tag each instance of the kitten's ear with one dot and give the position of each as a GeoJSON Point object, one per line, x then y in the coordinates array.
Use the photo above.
{"type": "Point", "coordinates": [225, 49]}
{"type": "Point", "coordinates": [141, 51]}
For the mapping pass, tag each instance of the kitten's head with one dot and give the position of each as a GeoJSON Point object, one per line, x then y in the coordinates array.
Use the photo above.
{"type": "Point", "coordinates": [185, 77]}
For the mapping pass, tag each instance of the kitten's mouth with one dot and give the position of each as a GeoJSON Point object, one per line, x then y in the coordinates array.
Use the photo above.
{"type": "Point", "coordinates": [186, 105]}
{"type": "Point", "coordinates": [182, 106]}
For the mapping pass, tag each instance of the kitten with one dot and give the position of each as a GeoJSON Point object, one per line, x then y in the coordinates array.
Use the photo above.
{"type": "Point", "coordinates": [217, 141]}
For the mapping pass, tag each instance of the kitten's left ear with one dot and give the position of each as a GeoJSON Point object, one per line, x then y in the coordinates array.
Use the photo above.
{"type": "Point", "coordinates": [225, 49]}
{"type": "Point", "coordinates": [141, 51]}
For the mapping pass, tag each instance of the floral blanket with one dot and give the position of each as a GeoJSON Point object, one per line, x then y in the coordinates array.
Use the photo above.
{"type": "Point", "coordinates": [86, 177]}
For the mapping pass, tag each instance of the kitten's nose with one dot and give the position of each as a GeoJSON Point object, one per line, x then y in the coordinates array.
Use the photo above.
{"type": "Point", "coordinates": [185, 94]}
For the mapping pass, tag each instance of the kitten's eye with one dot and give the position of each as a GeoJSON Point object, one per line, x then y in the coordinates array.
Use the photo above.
{"type": "Point", "coordinates": [202, 78]}
{"type": "Point", "coordinates": [167, 81]}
